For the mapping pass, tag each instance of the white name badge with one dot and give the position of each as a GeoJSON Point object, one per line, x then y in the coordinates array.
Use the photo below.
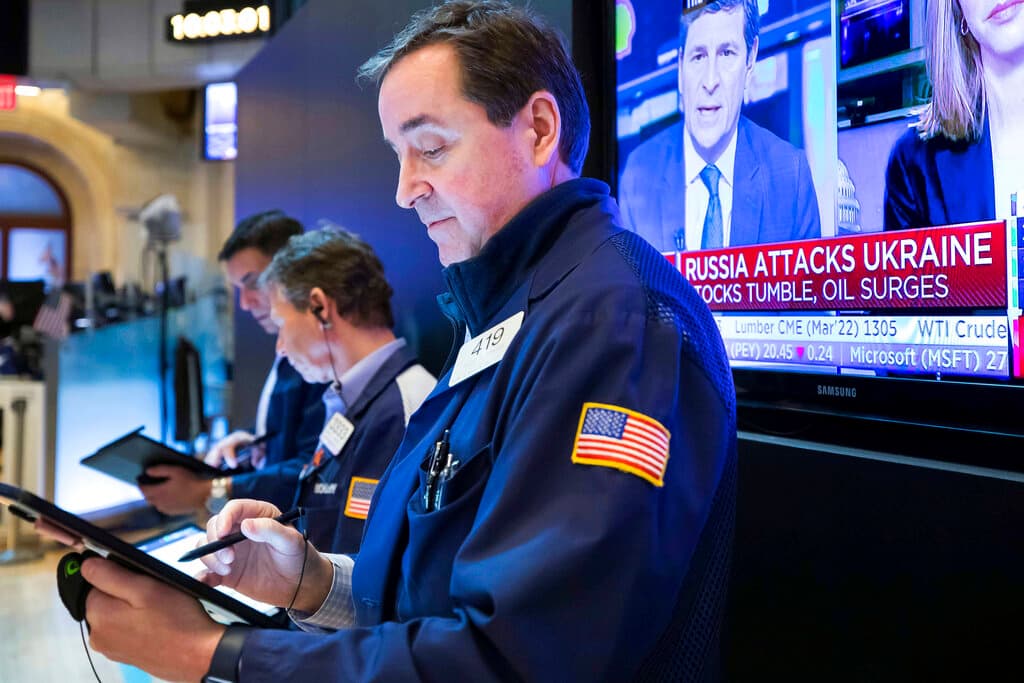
{"type": "Point", "coordinates": [485, 349]}
{"type": "Point", "coordinates": [336, 434]}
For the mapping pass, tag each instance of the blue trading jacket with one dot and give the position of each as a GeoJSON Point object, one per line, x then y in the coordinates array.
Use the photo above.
{"type": "Point", "coordinates": [535, 567]}
{"type": "Point", "coordinates": [296, 416]}
{"type": "Point", "coordinates": [334, 513]}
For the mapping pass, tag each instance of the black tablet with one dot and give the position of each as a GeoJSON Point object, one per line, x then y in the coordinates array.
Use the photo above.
{"type": "Point", "coordinates": [156, 556]}
{"type": "Point", "coordinates": [128, 457]}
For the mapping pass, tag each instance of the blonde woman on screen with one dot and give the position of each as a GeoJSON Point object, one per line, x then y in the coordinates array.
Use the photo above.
{"type": "Point", "coordinates": [964, 159]}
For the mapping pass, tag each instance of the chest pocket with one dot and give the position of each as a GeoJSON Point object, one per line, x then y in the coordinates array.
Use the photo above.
{"type": "Point", "coordinates": [438, 534]}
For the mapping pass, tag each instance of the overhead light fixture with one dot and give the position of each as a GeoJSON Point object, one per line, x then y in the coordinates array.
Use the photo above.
{"type": "Point", "coordinates": [27, 90]}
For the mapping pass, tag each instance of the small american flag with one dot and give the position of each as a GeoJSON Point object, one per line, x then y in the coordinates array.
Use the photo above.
{"type": "Point", "coordinates": [610, 436]}
{"type": "Point", "coordinates": [52, 318]}
{"type": "Point", "coordinates": [360, 493]}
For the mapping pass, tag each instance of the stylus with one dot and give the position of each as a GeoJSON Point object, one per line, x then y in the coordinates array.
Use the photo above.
{"type": "Point", "coordinates": [231, 539]}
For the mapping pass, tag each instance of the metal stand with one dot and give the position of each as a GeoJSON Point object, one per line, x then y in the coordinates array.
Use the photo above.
{"type": "Point", "coordinates": [14, 553]}
{"type": "Point", "coordinates": [163, 361]}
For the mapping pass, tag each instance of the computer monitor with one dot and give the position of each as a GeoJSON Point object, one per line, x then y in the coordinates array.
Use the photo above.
{"type": "Point", "coordinates": [189, 418]}
{"type": "Point", "coordinates": [26, 298]}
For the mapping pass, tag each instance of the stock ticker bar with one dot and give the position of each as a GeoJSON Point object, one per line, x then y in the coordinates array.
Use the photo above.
{"type": "Point", "coordinates": [961, 266]}
{"type": "Point", "coordinates": [871, 302]}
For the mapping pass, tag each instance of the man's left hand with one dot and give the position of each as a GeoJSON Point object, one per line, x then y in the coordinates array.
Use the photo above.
{"type": "Point", "coordinates": [184, 492]}
{"type": "Point", "coordinates": [137, 620]}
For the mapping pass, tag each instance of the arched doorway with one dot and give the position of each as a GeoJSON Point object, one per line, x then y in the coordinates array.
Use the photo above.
{"type": "Point", "coordinates": [35, 226]}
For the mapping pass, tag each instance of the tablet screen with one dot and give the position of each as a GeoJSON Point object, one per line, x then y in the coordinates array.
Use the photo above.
{"type": "Point", "coordinates": [169, 547]}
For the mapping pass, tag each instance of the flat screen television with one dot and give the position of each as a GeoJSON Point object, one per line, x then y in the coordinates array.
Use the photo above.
{"type": "Point", "coordinates": [835, 328]}
{"type": "Point", "coordinates": [220, 121]}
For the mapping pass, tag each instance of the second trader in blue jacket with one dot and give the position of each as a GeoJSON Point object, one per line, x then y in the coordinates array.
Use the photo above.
{"type": "Point", "coordinates": [332, 306]}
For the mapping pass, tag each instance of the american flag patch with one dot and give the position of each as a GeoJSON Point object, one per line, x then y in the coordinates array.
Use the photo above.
{"type": "Point", "coordinates": [610, 436]}
{"type": "Point", "coordinates": [360, 493]}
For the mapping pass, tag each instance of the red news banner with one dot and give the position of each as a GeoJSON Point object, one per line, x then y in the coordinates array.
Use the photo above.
{"type": "Point", "coordinates": [948, 267]}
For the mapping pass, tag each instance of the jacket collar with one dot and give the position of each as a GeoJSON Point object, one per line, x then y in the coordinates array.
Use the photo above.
{"type": "Point", "coordinates": [478, 288]}
{"type": "Point", "coordinates": [396, 363]}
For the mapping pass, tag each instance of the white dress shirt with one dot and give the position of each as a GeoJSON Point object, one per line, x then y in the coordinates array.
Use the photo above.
{"type": "Point", "coordinates": [264, 405]}
{"type": "Point", "coordinates": [697, 194]}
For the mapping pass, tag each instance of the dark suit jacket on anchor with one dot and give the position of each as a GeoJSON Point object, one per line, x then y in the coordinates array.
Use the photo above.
{"type": "Point", "coordinates": [773, 196]}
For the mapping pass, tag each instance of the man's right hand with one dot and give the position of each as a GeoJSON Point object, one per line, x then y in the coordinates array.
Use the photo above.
{"type": "Point", "coordinates": [267, 567]}
{"type": "Point", "coordinates": [224, 451]}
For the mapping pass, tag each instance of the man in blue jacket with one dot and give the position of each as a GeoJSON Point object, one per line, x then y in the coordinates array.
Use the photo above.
{"type": "Point", "coordinates": [561, 505]}
{"type": "Point", "coordinates": [290, 411]}
{"type": "Point", "coordinates": [332, 306]}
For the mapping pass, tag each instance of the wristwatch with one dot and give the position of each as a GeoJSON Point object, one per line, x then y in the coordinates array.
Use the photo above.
{"type": "Point", "coordinates": [218, 494]}
{"type": "Point", "coordinates": [227, 658]}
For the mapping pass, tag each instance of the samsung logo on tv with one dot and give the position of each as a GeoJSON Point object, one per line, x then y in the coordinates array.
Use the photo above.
{"type": "Point", "coordinates": [838, 392]}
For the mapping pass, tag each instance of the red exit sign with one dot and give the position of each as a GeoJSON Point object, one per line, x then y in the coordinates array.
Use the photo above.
{"type": "Point", "coordinates": [7, 98]}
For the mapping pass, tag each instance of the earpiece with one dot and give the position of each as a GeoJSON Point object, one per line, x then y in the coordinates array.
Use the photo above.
{"type": "Point", "coordinates": [318, 313]}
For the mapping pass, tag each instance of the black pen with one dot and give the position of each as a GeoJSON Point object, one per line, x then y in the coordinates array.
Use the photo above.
{"type": "Point", "coordinates": [437, 463]}
{"type": "Point", "coordinates": [231, 539]}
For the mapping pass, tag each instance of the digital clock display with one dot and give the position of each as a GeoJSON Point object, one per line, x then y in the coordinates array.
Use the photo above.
{"type": "Point", "coordinates": [219, 23]}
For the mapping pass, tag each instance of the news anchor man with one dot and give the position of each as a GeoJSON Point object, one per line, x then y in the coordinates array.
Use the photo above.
{"type": "Point", "coordinates": [561, 506]}
{"type": "Point", "coordinates": [717, 179]}
{"type": "Point", "coordinates": [289, 411]}
{"type": "Point", "coordinates": [963, 160]}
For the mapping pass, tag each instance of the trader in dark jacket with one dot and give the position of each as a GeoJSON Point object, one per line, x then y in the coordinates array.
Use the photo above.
{"type": "Point", "coordinates": [561, 506]}
{"type": "Point", "coordinates": [332, 306]}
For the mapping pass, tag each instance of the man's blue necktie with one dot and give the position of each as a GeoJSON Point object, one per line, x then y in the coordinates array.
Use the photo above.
{"type": "Point", "coordinates": [714, 233]}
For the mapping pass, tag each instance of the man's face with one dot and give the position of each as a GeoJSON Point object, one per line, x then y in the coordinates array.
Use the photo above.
{"type": "Point", "coordinates": [244, 269]}
{"type": "Point", "coordinates": [713, 75]}
{"type": "Point", "coordinates": [464, 176]}
{"type": "Point", "coordinates": [300, 339]}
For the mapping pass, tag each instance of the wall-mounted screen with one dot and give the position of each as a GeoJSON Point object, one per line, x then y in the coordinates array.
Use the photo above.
{"type": "Point", "coordinates": [849, 261]}
{"type": "Point", "coordinates": [220, 121]}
